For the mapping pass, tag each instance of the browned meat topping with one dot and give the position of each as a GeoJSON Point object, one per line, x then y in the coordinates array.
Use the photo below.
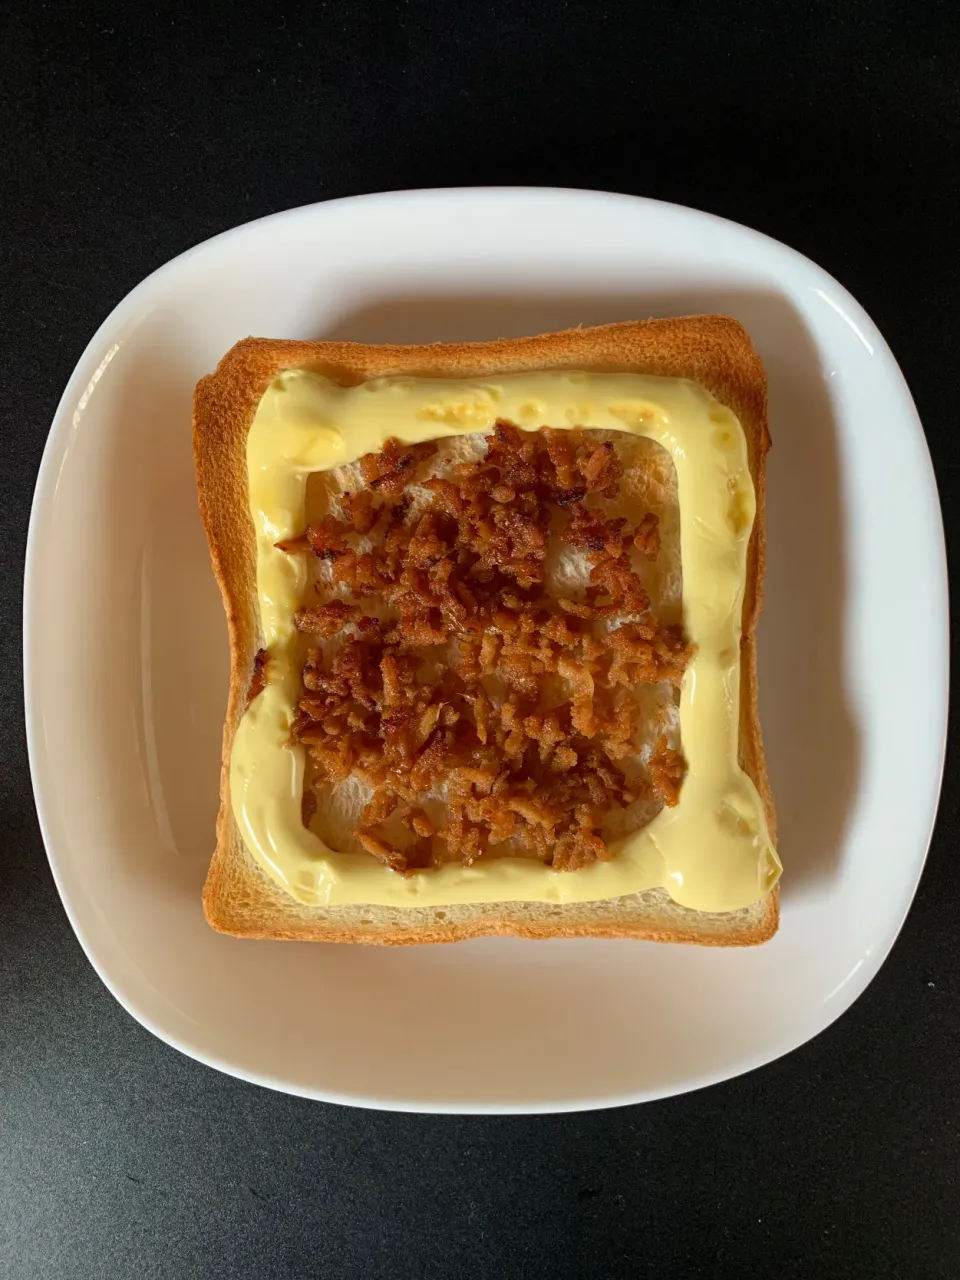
{"type": "Point", "coordinates": [647, 537]}
{"type": "Point", "coordinates": [326, 619]}
{"type": "Point", "coordinates": [392, 469]}
{"type": "Point", "coordinates": [667, 770]}
{"type": "Point", "coordinates": [488, 714]}
{"type": "Point", "coordinates": [258, 677]}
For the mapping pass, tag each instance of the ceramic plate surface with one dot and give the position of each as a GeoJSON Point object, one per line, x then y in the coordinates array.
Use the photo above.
{"type": "Point", "coordinates": [124, 718]}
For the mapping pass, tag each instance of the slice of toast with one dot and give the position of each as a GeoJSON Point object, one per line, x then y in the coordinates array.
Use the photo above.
{"type": "Point", "coordinates": [239, 898]}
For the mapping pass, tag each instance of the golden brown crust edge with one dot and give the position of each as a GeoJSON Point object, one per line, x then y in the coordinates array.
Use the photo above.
{"type": "Point", "coordinates": [715, 351]}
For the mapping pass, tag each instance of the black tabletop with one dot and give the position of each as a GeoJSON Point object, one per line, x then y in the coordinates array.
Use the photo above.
{"type": "Point", "coordinates": [128, 136]}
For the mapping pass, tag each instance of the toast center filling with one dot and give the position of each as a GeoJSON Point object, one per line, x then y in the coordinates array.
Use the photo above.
{"type": "Point", "coordinates": [489, 670]}
{"type": "Point", "coordinates": [369, 600]}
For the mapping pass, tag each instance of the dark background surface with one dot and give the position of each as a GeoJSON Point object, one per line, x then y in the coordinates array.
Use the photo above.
{"type": "Point", "coordinates": [125, 140]}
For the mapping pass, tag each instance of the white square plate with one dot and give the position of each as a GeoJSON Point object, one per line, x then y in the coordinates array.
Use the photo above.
{"type": "Point", "coordinates": [126, 662]}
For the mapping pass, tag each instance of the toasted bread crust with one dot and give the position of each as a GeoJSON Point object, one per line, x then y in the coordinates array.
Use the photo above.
{"type": "Point", "coordinates": [239, 898]}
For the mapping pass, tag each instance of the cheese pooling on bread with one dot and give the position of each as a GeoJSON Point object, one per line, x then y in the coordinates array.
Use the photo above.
{"type": "Point", "coordinates": [712, 850]}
